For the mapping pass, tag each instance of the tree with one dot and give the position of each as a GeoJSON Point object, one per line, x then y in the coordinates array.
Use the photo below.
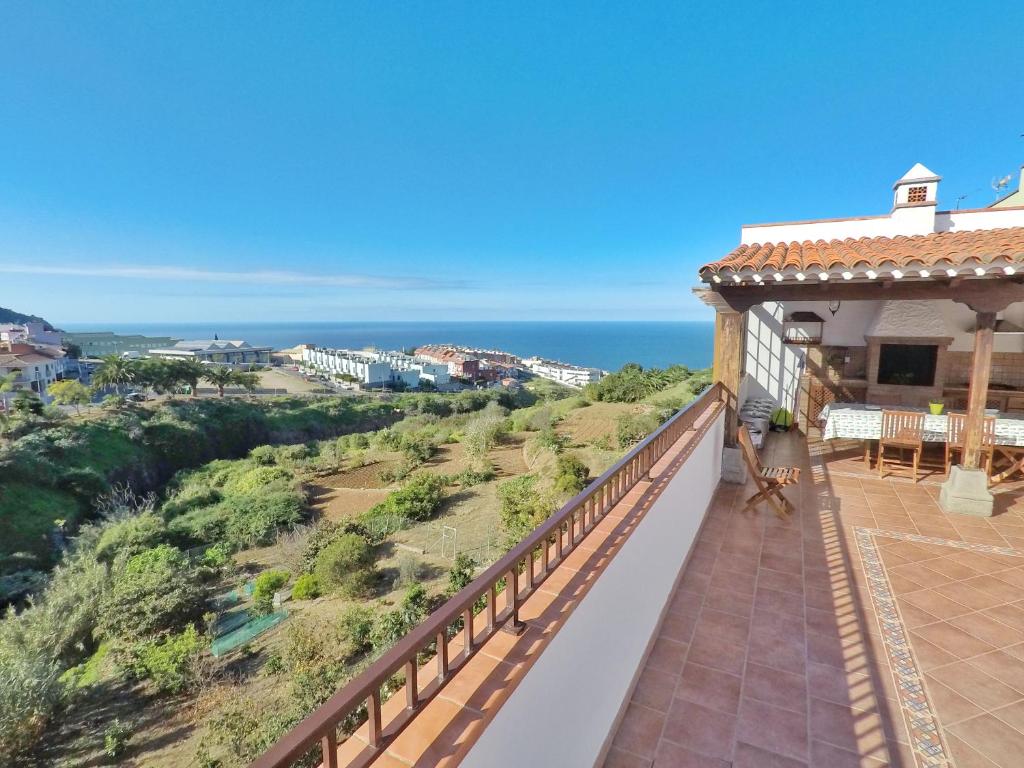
{"type": "Point", "coordinates": [190, 372]}
{"type": "Point", "coordinates": [69, 392]}
{"type": "Point", "coordinates": [115, 372]}
{"type": "Point", "coordinates": [571, 474]}
{"type": "Point", "coordinates": [522, 507]}
{"type": "Point", "coordinates": [346, 564]}
{"type": "Point", "coordinates": [220, 376]}
{"type": "Point", "coordinates": [248, 381]}
{"type": "Point", "coordinates": [151, 592]}
{"type": "Point", "coordinates": [158, 375]}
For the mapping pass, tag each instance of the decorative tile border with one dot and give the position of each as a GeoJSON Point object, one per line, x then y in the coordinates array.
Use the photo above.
{"type": "Point", "coordinates": [922, 723]}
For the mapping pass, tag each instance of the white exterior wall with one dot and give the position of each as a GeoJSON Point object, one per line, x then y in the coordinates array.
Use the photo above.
{"type": "Point", "coordinates": [567, 710]}
{"type": "Point", "coordinates": [772, 368]}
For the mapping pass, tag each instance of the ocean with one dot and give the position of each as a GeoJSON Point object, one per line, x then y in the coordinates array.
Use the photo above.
{"type": "Point", "coordinates": [608, 345]}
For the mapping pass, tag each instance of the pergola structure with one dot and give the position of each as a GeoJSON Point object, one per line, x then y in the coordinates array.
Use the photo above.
{"type": "Point", "coordinates": [982, 269]}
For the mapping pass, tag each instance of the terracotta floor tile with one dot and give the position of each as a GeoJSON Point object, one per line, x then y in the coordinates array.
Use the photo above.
{"type": "Point", "coordinates": [728, 601]}
{"type": "Point", "coordinates": [654, 689]}
{"type": "Point", "coordinates": [993, 738]}
{"type": "Point", "coordinates": [829, 756]}
{"type": "Point", "coordinates": [679, 626]}
{"type": "Point", "coordinates": [986, 628]}
{"type": "Point", "coordinates": [1003, 667]}
{"type": "Point", "coordinates": [773, 729]}
{"type": "Point", "coordinates": [774, 600]}
{"type": "Point", "coordinates": [964, 755]}
{"type": "Point", "coordinates": [859, 731]}
{"type": "Point", "coordinates": [950, 706]}
{"type": "Point", "coordinates": [975, 686]}
{"type": "Point", "coordinates": [839, 686]}
{"type": "Point", "coordinates": [1012, 715]}
{"type": "Point", "coordinates": [748, 756]}
{"type": "Point", "coordinates": [953, 640]}
{"type": "Point", "coordinates": [443, 732]}
{"type": "Point", "coordinates": [773, 686]}
{"type": "Point", "coordinates": [1010, 615]}
{"type": "Point", "coordinates": [725, 626]}
{"type": "Point", "coordinates": [710, 688]}
{"type": "Point", "coordinates": [667, 656]}
{"type": "Point", "coordinates": [936, 604]}
{"type": "Point", "coordinates": [722, 656]}
{"type": "Point", "coordinates": [700, 729]}
{"type": "Point", "coordinates": [914, 616]}
{"type": "Point", "coordinates": [674, 756]}
{"type": "Point", "coordinates": [973, 598]}
{"type": "Point", "coordinates": [640, 730]}
{"type": "Point", "coordinates": [618, 758]}
{"type": "Point", "coordinates": [482, 683]}
{"type": "Point", "coordinates": [989, 584]}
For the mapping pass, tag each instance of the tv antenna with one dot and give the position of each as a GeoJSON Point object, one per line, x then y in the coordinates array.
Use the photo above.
{"type": "Point", "coordinates": [1000, 185]}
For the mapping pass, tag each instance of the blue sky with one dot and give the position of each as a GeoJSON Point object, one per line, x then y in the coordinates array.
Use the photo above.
{"type": "Point", "coordinates": [317, 161]}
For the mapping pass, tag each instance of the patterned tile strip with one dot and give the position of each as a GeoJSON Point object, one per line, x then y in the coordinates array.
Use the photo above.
{"type": "Point", "coordinates": [923, 725]}
{"type": "Point", "coordinates": [917, 538]}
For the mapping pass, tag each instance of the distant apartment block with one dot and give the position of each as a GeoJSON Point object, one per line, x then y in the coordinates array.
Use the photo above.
{"type": "Point", "coordinates": [102, 343]}
{"type": "Point", "coordinates": [563, 373]}
{"type": "Point", "coordinates": [34, 368]}
{"type": "Point", "coordinates": [236, 353]}
{"type": "Point", "coordinates": [29, 333]}
{"type": "Point", "coordinates": [373, 368]}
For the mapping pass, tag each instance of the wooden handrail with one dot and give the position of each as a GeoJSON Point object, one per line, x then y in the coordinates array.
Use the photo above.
{"type": "Point", "coordinates": [576, 518]}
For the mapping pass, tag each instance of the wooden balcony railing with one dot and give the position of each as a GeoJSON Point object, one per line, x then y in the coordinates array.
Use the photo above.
{"type": "Point", "coordinates": [514, 577]}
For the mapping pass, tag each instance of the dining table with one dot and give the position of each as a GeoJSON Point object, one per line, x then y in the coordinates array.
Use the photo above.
{"type": "Point", "coordinates": [863, 421]}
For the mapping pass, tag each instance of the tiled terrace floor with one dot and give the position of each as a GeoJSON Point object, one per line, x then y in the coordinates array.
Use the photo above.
{"type": "Point", "coordinates": [869, 629]}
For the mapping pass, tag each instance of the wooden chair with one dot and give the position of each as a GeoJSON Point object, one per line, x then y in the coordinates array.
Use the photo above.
{"type": "Point", "coordinates": [769, 480]}
{"type": "Point", "coordinates": [955, 424]}
{"type": "Point", "coordinates": [903, 430]}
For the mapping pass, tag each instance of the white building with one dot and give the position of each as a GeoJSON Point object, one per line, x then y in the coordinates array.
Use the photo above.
{"type": "Point", "coordinates": [875, 346]}
{"type": "Point", "coordinates": [34, 369]}
{"type": "Point", "coordinates": [373, 368]}
{"type": "Point", "coordinates": [32, 332]}
{"type": "Point", "coordinates": [563, 373]}
{"type": "Point", "coordinates": [236, 353]}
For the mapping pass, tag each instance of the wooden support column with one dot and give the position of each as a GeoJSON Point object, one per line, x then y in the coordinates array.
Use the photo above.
{"type": "Point", "coordinates": [978, 396]}
{"type": "Point", "coordinates": [728, 364]}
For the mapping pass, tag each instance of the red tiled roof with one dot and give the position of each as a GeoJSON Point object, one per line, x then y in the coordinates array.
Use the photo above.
{"type": "Point", "coordinates": [941, 249]}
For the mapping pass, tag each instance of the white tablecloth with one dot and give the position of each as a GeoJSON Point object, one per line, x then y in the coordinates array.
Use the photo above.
{"type": "Point", "coordinates": [857, 421]}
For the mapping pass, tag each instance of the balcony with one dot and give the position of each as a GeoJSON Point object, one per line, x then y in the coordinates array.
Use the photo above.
{"type": "Point", "coordinates": [652, 622]}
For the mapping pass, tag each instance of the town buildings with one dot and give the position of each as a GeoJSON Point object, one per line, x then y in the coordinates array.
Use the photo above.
{"type": "Point", "coordinates": [371, 368]}
{"type": "Point", "coordinates": [32, 332]}
{"type": "Point", "coordinates": [563, 373]}
{"type": "Point", "coordinates": [33, 368]}
{"type": "Point", "coordinates": [96, 344]}
{"type": "Point", "coordinates": [235, 353]}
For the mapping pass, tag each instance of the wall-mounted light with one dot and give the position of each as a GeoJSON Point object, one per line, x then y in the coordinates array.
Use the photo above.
{"type": "Point", "coordinates": [833, 306]}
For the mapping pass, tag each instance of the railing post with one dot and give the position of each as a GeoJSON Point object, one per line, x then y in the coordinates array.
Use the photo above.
{"type": "Point", "coordinates": [373, 719]}
{"type": "Point", "coordinates": [492, 608]}
{"type": "Point", "coordinates": [412, 694]}
{"type": "Point", "coordinates": [329, 749]}
{"type": "Point", "coordinates": [442, 655]}
{"type": "Point", "coordinates": [513, 625]}
{"type": "Point", "coordinates": [467, 629]}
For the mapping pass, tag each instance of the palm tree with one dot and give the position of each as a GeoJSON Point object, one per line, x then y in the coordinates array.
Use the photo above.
{"type": "Point", "coordinates": [7, 384]}
{"type": "Point", "coordinates": [116, 372]}
{"type": "Point", "coordinates": [220, 376]}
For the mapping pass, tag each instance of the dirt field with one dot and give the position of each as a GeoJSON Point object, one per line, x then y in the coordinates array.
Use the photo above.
{"type": "Point", "coordinates": [595, 421]}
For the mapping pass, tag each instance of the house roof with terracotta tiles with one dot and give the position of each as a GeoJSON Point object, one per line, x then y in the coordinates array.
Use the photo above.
{"type": "Point", "coordinates": [982, 251]}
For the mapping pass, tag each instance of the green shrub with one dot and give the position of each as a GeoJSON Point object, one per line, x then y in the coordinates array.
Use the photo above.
{"type": "Point", "coordinates": [256, 519]}
{"type": "Point", "coordinates": [631, 429]}
{"type": "Point", "coordinates": [392, 626]}
{"type": "Point", "coordinates": [267, 583]}
{"type": "Point", "coordinates": [306, 587]}
{"type": "Point", "coordinates": [131, 536]}
{"type": "Point", "coordinates": [418, 500]}
{"type": "Point", "coordinates": [461, 572]}
{"type": "Point", "coordinates": [522, 507]}
{"type": "Point", "coordinates": [254, 480]}
{"type": "Point", "coordinates": [115, 739]}
{"type": "Point", "coordinates": [263, 455]}
{"type": "Point", "coordinates": [410, 569]}
{"type": "Point", "coordinates": [552, 440]}
{"type": "Point", "coordinates": [467, 478]}
{"type": "Point", "coordinates": [217, 556]}
{"type": "Point", "coordinates": [151, 592]}
{"type": "Point", "coordinates": [356, 624]}
{"type": "Point", "coordinates": [571, 474]}
{"type": "Point", "coordinates": [168, 661]}
{"type": "Point", "coordinates": [346, 565]}
{"type": "Point", "coordinates": [30, 692]}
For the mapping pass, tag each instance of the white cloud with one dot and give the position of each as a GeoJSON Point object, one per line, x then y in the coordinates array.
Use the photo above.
{"type": "Point", "coordinates": [256, 277]}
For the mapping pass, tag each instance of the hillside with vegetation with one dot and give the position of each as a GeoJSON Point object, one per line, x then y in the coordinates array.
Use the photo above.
{"type": "Point", "coordinates": [10, 316]}
{"type": "Point", "coordinates": [219, 567]}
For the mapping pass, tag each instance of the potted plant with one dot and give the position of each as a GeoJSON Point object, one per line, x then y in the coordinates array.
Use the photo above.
{"type": "Point", "coordinates": [936, 406]}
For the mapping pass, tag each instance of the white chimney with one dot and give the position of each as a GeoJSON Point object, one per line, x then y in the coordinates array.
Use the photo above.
{"type": "Point", "coordinates": [914, 198]}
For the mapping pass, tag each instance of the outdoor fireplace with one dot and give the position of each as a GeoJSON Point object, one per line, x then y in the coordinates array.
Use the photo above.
{"type": "Point", "coordinates": [910, 365]}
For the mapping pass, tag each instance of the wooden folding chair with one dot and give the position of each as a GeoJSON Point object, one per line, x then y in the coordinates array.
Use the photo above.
{"type": "Point", "coordinates": [903, 430]}
{"type": "Point", "coordinates": [769, 480]}
{"type": "Point", "coordinates": [955, 423]}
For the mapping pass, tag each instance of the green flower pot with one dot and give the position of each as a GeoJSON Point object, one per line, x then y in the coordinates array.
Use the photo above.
{"type": "Point", "coordinates": [936, 408]}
